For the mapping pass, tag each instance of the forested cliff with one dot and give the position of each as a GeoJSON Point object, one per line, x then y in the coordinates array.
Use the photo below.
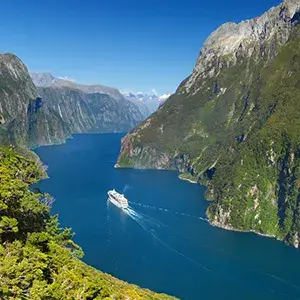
{"type": "Point", "coordinates": [233, 125]}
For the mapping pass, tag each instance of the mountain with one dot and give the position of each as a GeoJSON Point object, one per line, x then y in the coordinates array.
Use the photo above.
{"type": "Point", "coordinates": [24, 118]}
{"type": "Point", "coordinates": [32, 117]}
{"type": "Point", "coordinates": [47, 80]}
{"type": "Point", "coordinates": [63, 88]}
{"type": "Point", "coordinates": [90, 112]}
{"type": "Point", "coordinates": [163, 98]}
{"type": "Point", "coordinates": [148, 103]}
{"type": "Point", "coordinates": [139, 103]}
{"type": "Point", "coordinates": [233, 125]}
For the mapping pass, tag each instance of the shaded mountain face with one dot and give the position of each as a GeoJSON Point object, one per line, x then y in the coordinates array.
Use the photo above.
{"type": "Point", "coordinates": [146, 103]}
{"type": "Point", "coordinates": [233, 124]}
{"type": "Point", "coordinates": [24, 119]}
{"type": "Point", "coordinates": [90, 112]}
{"type": "Point", "coordinates": [31, 117]}
{"type": "Point", "coordinates": [47, 80]}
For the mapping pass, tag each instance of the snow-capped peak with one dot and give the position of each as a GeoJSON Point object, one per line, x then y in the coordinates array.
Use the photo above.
{"type": "Point", "coordinates": [151, 100]}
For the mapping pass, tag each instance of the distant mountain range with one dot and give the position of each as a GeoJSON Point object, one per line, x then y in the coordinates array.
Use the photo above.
{"type": "Point", "coordinates": [48, 80]}
{"type": "Point", "coordinates": [151, 101]}
{"type": "Point", "coordinates": [49, 110]}
{"type": "Point", "coordinates": [147, 103]}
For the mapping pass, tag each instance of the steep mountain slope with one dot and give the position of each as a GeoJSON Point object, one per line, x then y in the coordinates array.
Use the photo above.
{"type": "Point", "coordinates": [90, 112]}
{"type": "Point", "coordinates": [31, 117]}
{"type": "Point", "coordinates": [233, 125]}
{"type": "Point", "coordinates": [47, 80]}
{"type": "Point", "coordinates": [24, 118]}
{"type": "Point", "coordinates": [39, 260]}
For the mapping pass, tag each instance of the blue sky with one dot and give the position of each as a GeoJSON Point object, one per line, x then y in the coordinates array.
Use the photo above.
{"type": "Point", "coordinates": [133, 45]}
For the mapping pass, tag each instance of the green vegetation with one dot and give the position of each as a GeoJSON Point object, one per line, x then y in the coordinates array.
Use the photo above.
{"type": "Point", "coordinates": [243, 124]}
{"type": "Point", "coordinates": [258, 183]}
{"type": "Point", "coordinates": [125, 162]}
{"type": "Point", "coordinates": [39, 260]}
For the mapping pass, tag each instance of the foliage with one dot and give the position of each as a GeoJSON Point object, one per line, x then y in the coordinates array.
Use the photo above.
{"type": "Point", "coordinates": [244, 124]}
{"type": "Point", "coordinates": [39, 260]}
{"type": "Point", "coordinates": [258, 182]}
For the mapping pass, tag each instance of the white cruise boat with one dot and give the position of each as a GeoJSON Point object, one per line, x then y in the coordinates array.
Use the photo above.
{"type": "Point", "coordinates": [117, 199]}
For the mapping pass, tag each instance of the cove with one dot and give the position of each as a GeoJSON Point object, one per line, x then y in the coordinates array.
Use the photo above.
{"type": "Point", "coordinates": [164, 242]}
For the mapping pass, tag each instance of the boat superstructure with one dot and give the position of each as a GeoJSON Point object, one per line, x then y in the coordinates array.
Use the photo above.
{"type": "Point", "coordinates": [117, 199]}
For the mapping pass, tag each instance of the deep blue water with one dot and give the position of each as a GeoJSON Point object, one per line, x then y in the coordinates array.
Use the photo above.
{"type": "Point", "coordinates": [162, 243]}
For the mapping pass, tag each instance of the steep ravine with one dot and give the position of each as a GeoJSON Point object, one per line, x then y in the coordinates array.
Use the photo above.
{"type": "Point", "coordinates": [233, 123]}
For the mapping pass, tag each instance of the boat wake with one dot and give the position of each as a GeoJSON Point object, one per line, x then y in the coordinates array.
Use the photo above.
{"type": "Point", "coordinates": [168, 210]}
{"type": "Point", "coordinates": [145, 221]}
{"type": "Point", "coordinates": [152, 227]}
{"type": "Point", "coordinates": [165, 236]}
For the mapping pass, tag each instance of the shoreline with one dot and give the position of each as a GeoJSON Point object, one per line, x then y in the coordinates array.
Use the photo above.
{"type": "Point", "coordinates": [219, 225]}
{"type": "Point", "coordinates": [229, 228]}
{"type": "Point", "coordinates": [187, 179]}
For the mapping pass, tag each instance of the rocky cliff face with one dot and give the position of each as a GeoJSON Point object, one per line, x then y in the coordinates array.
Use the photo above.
{"type": "Point", "coordinates": [24, 119]}
{"type": "Point", "coordinates": [31, 117]}
{"type": "Point", "coordinates": [45, 125]}
{"type": "Point", "coordinates": [233, 124]}
{"type": "Point", "coordinates": [90, 112]}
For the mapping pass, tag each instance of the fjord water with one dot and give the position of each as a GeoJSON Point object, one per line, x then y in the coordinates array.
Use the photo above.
{"type": "Point", "coordinates": [163, 242]}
